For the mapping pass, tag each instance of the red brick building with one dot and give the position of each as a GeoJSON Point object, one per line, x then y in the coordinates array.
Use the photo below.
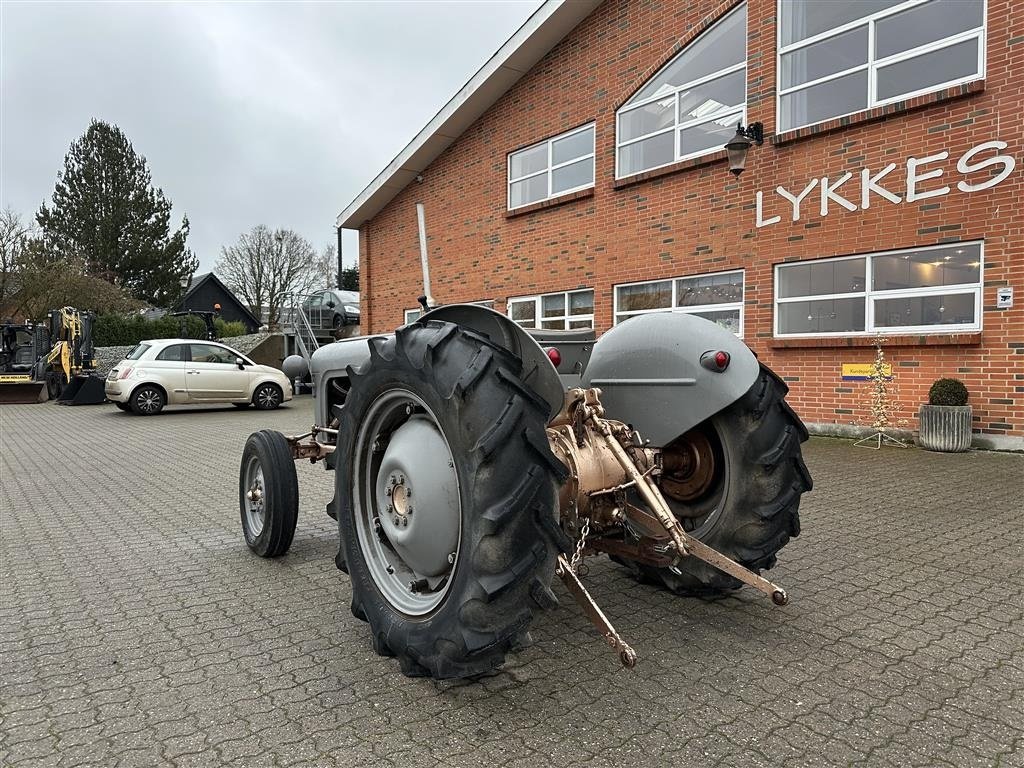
{"type": "Point", "coordinates": [579, 178]}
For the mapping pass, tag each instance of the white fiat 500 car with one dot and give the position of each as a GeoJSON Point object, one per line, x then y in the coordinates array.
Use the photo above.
{"type": "Point", "coordinates": [189, 372]}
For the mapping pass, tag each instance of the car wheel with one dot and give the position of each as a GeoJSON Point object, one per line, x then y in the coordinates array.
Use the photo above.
{"type": "Point", "coordinates": [123, 406]}
{"type": "Point", "coordinates": [337, 322]}
{"type": "Point", "coordinates": [147, 400]}
{"type": "Point", "coordinates": [267, 397]}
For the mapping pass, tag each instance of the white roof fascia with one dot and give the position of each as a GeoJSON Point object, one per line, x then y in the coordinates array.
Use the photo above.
{"type": "Point", "coordinates": [547, 27]}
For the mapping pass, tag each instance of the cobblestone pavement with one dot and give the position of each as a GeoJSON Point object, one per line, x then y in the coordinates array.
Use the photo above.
{"type": "Point", "coordinates": [137, 629]}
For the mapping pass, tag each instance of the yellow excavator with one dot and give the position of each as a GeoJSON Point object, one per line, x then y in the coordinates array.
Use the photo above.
{"type": "Point", "coordinates": [70, 368]}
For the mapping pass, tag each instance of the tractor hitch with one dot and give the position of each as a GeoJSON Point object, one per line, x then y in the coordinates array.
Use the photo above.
{"type": "Point", "coordinates": [568, 576]}
{"type": "Point", "coordinates": [605, 458]}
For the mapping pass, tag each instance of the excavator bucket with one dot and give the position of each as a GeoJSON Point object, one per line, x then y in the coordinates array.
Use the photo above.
{"type": "Point", "coordinates": [21, 389]}
{"type": "Point", "coordinates": [83, 390]}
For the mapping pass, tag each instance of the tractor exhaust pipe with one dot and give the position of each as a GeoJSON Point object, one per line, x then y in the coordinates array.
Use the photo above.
{"type": "Point", "coordinates": [427, 299]}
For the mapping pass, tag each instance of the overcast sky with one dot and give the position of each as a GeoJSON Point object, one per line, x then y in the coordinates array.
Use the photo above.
{"type": "Point", "coordinates": [248, 113]}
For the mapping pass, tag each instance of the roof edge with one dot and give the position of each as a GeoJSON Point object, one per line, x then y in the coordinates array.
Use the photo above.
{"type": "Point", "coordinates": [547, 27]}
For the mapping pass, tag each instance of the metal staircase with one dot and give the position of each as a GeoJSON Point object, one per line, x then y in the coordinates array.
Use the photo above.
{"type": "Point", "coordinates": [305, 339]}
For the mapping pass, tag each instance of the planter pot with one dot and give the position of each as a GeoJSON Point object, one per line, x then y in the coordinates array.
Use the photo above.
{"type": "Point", "coordinates": [945, 427]}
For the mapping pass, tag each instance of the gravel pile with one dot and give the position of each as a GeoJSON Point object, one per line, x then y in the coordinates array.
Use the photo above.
{"type": "Point", "coordinates": [109, 357]}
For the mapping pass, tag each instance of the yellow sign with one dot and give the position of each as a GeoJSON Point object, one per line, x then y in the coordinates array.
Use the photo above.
{"type": "Point", "coordinates": [14, 378]}
{"type": "Point", "coordinates": [862, 371]}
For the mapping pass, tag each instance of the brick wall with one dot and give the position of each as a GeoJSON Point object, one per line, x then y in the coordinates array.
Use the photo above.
{"type": "Point", "coordinates": [697, 218]}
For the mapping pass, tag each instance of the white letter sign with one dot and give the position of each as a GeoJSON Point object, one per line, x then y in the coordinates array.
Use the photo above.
{"type": "Point", "coordinates": [964, 166]}
{"type": "Point", "coordinates": [914, 178]}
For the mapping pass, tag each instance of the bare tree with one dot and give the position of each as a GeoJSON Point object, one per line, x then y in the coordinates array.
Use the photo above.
{"type": "Point", "coordinates": [264, 266]}
{"type": "Point", "coordinates": [327, 268]}
{"type": "Point", "coordinates": [14, 240]}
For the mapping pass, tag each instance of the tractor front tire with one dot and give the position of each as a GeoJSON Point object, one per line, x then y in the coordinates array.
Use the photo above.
{"type": "Point", "coordinates": [447, 500]}
{"type": "Point", "coordinates": [749, 506]}
{"type": "Point", "coordinates": [268, 493]}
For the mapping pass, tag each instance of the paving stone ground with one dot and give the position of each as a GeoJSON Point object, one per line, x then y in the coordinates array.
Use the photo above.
{"type": "Point", "coordinates": [137, 629]}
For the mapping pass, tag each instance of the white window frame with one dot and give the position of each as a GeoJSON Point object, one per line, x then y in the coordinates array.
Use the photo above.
{"type": "Point", "coordinates": [690, 310]}
{"type": "Point", "coordinates": [873, 65]}
{"type": "Point", "coordinates": [678, 126]}
{"type": "Point", "coordinates": [551, 166]}
{"type": "Point", "coordinates": [565, 317]}
{"type": "Point", "coordinates": [870, 296]}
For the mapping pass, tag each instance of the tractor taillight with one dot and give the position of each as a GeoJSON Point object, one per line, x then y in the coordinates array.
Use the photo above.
{"type": "Point", "coordinates": [554, 356]}
{"type": "Point", "coordinates": [716, 361]}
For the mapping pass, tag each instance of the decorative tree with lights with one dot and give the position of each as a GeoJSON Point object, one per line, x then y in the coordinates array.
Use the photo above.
{"type": "Point", "coordinates": [882, 403]}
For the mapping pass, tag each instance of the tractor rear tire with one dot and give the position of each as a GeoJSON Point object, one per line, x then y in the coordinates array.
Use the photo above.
{"type": "Point", "coordinates": [447, 500]}
{"type": "Point", "coordinates": [753, 506]}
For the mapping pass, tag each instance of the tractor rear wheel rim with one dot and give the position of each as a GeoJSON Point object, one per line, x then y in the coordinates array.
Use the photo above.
{"type": "Point", "coordinates": [407, 506]}
{"type": "Point", "coordinates": [695, 487]}
{"type": "Point", "coordinates": [255, 496]}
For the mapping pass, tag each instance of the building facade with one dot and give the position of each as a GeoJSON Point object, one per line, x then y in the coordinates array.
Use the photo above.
{"type": "Point", "coordinates": [580, 179]}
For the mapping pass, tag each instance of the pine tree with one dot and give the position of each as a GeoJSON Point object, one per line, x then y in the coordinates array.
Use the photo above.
{"type": "Point", "coordinates": [108, 217]}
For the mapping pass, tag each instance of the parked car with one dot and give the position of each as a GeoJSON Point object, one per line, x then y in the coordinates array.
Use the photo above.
{"type": "Point", "coordinates": [333, 309]}
{"type": "Point", "coordinates": [187, 372]}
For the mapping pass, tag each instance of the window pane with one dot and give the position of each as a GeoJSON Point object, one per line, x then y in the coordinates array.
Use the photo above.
{"type": "Point", "coordinates": [205, 353]}
{"type": "Point", "coordinates": [825, 58]}
{"type": "Point", "coordinates": [929, 69]}
{"type": "Point", "coordinates": [951, 309]}
{"type": "Point", "coordinates": [708, 136]}
{"type": "Point", "coordinates": [648, 296]}
{"type": "Point", "coordinates": [552, 306]}
{"type": "Point", "coordinates": [937, 267]}
{"type": "Point", "coordinates": [578, 174]}
{"type": "Point", "coordinates": [727, 318]}
{"type": "Point", "coordinates": [713, 97]}
{"type": "Point", "coordinates": [553, 325]}
{"type": "Point", "coordinates": [801, 19]}
{"type": "Point", "coordinates": [581, 303]}
{"type": "Point", "coordinates": [524, 312]}
{"type": "Point", "coordinates": [925, 24]}
{"type": "Point", "coordinates": [528, 191]}
{"type": "Point", "coordinates": [581, 324]}
{"type": "Point", "coordinates": [722, 46]}
{"type": "Point", "coordinates": [571, 147]}
{"type": "Point", "coordinates": [170, 353]}
{"type": "Point", "coordinates": [821, 278]}
{"type": "Point", "coordinates": [820, 102]}
{"type": "Point", "coordinates": [649, 118]}
{"type": "Point", "coordinates": [528, 161]}
{"type": "Point", "coordinates": [822, 316]}
{"type": "Point", "coordinates": [709, 289]}
{"type": "Point", "coordinates": [646, 154]}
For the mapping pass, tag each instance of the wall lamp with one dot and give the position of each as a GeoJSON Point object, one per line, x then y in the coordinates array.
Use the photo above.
{"type": "Point", "coordinates": [740, 143]}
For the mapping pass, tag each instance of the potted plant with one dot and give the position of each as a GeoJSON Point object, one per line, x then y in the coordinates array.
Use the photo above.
{"type": "Point", "coordinates": [946, 419]}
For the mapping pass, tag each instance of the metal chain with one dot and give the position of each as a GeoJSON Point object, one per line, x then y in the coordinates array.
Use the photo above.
{"type": "Point", "coordinates": [577, 556]}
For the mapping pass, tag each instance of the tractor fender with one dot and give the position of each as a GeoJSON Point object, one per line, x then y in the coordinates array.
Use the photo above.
{"type": "Point", "coordinates": [650, 374]}
{"type": "Point", "coordinates": [538, 371]}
